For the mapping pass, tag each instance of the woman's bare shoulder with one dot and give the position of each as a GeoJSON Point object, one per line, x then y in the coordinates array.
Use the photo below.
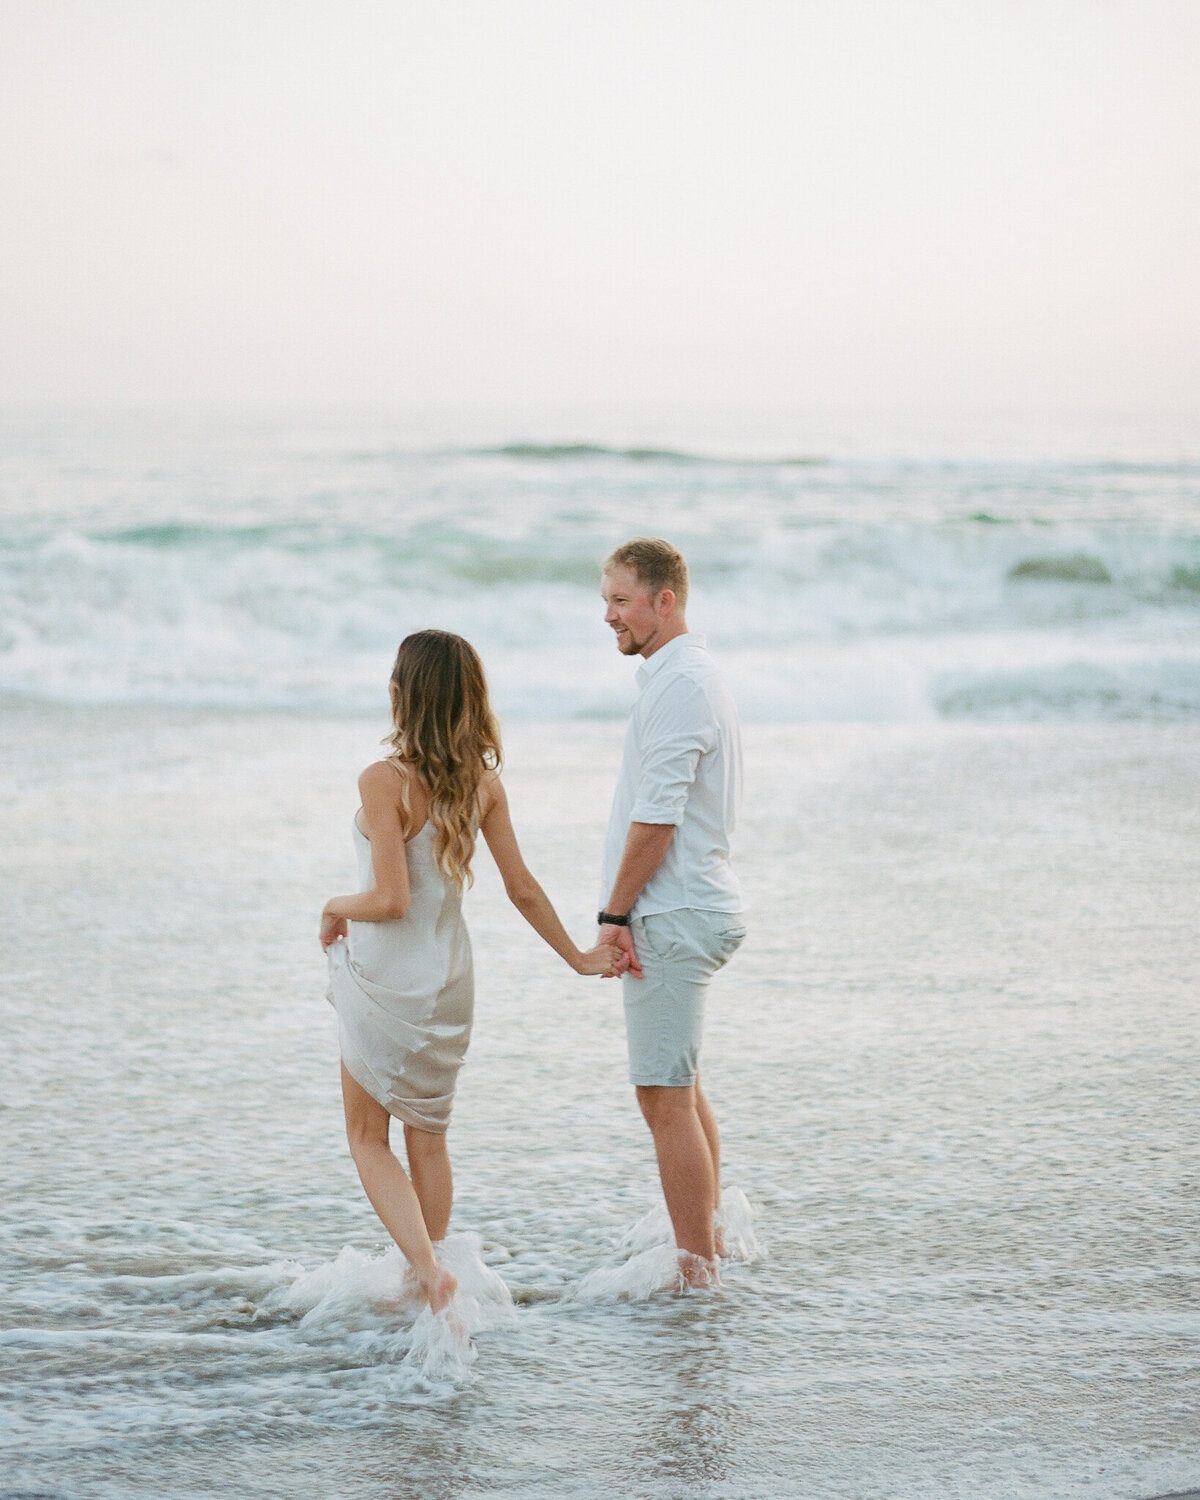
{"type": "Point", "coordinates": [491, 791]}
{"type": "Point", "coordinates": [386, 778]}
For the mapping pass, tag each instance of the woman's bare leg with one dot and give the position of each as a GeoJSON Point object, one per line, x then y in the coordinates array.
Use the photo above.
{"type": "Point", "coordinates": [387, 1186]}
{"type": "Point", "coordinates": [429, 1167]}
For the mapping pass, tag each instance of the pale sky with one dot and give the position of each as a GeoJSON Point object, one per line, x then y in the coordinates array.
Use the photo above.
{"type": "Point", "coordinates": [936, 202]}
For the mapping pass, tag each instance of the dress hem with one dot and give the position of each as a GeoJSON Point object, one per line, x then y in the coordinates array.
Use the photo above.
{"type": "Point", "coordinates": [398, 1111]}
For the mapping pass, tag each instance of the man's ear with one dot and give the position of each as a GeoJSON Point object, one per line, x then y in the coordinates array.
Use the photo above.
{"type": "Point", "coordinates": [665, 602]}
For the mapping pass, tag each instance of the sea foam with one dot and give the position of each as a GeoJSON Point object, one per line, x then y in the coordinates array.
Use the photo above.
{"type": "Point", "coordinates": [851, 588]}
{"type": "Point", "coordinates": [650, 1263]}
{"type": "Point", "coordinates": [830, 620]}
{"type": "Point", "coordinates": [357, 1293]}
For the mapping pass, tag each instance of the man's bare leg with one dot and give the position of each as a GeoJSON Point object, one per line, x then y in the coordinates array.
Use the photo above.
{"type": "Point", "coordinates": [685, 1164]}
{"type": "Point", "coordinates": [708, 1123]}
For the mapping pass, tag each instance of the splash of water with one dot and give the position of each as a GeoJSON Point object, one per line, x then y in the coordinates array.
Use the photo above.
{"type": "Point", "coordinates": [356, 1293]}
{"type": "Point", "coordinates": [653, 1264]}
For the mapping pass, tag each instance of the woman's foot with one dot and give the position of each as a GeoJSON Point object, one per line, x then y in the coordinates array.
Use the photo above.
{"type": "Point", "coordinates": [410, 1294]}
{"type": "Point", "coordinates": [439, 1288]}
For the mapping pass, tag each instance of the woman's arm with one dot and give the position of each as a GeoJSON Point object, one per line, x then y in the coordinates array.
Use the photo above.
{"type": "Point", "coordinates": [387, 900]}
{"type": "Point", "coordinates": [526, 894]}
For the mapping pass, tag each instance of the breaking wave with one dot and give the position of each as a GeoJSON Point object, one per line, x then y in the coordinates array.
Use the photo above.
{"type": "Point", "coordinates": [276, 566]}
{"type": "Point", "coordinates": [824, 620]}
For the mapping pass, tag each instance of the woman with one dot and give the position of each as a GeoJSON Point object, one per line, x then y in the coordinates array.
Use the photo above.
{"type": "Point", "coordinates": [400, 958]}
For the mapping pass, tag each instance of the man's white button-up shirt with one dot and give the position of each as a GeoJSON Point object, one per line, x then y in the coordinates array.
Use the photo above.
{"type": "Point", "coordinates": [682, 765]}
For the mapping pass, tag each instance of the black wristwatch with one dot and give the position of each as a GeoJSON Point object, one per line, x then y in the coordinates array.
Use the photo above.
{"type": "Point", "coordinates": [606, 919]}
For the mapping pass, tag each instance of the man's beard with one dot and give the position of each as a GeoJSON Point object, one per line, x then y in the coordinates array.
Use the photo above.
{"type": "Point", "coordinates": [629, 645]}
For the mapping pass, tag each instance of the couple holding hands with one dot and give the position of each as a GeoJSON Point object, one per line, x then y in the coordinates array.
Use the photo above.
{"type": "Point", "coordinates": [400, 958]}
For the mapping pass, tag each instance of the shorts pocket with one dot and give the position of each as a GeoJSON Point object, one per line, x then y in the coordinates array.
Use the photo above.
{"type": "Point", "coordinates": [658, 934]}
{"type": "Point", "coordinates": [727, 941]}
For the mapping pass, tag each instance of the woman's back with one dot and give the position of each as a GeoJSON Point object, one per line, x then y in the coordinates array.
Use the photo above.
{"type": "Point", "coordinates": [432, 930]}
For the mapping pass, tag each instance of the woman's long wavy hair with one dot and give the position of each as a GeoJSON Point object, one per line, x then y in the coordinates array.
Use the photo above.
{"type": "Point", "coordinates": [444, 730]}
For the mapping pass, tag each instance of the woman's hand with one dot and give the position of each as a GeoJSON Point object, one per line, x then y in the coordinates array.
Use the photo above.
{"type": "Point", "coordinates": [602, 959]}
{"type": "Point", "coordinates": [333, 930]}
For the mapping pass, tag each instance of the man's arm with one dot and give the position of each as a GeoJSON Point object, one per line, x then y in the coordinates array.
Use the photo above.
{"type": "Point", "coordinates": [678, 730]}
{"type": "Point", "coordinates": [646, 846]}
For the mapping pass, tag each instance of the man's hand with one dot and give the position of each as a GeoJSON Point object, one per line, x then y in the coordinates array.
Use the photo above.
{"type": "Point", "coordinates": [646, 845]}
{"type": "Point", "coordinates": [622, 938]}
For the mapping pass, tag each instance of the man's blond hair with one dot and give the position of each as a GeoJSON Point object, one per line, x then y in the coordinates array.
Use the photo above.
{"type": "Point", "coordinates": [656, 565]}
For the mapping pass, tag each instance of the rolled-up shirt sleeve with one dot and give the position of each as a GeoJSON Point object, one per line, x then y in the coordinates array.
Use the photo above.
{"type": "Point", "coordinates": [678, 731]}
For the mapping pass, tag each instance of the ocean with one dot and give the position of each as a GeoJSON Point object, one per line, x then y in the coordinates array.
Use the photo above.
{"type": "Point", "coordinates": [848, 571]}
{"type": "Point", "coordinates": [955, 1062]}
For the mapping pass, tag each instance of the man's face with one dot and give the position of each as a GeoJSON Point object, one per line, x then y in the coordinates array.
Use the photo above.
{"type": "Point", "coordinates": [630, 611]}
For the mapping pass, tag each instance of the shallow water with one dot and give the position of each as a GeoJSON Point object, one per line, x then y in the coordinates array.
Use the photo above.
{"type": "Point", "coordinates": [955, 1065]}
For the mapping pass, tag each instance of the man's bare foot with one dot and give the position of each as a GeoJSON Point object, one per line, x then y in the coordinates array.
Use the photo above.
{"type": "Point", "coordinates": [695, 1271]}
{"type": "Point", "coordinates": [440, 1288]}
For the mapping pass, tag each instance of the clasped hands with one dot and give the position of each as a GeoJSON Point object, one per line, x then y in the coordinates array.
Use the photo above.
{"type": "Point", "coordinates": [611, 956]}
{"type": "Point", "coordinates": [620, 938]}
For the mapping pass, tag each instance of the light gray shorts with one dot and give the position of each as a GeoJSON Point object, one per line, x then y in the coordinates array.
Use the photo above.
{"type": "Point", "coordinates": [679, 952]}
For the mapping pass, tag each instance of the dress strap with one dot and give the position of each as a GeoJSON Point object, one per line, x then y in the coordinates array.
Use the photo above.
{"type": "Point", "coordinates": [407, 777]}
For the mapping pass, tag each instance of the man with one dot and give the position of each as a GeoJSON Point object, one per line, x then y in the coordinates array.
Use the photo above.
{"type": "Point", "coordinates": [671, 900]}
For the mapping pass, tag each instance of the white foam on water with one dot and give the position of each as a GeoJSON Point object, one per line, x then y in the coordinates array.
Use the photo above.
{"type": "Point", "coordinates": [634, 1280]}
{"type": "Point", "coordinates": [361, 1294]}
{"type": "Point", "coordinates": [196, 1288]}
{"type": "Point", "coordinates": [345, 1294]}
{"type": "Point", "coordinates": [653, 1263]}
{"type": "Point", "coordinates": [653, 1228]}
{"type": "Point", "coordinates": [735, 1219]}
{"type": "Point", "coordinates": [442, 1349]}
{"type": "Point", "coordinates": [932, 611]}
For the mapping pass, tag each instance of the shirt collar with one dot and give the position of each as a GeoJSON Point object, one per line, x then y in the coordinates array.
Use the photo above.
{"type": "Point", "coordinates": [667, 653]}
